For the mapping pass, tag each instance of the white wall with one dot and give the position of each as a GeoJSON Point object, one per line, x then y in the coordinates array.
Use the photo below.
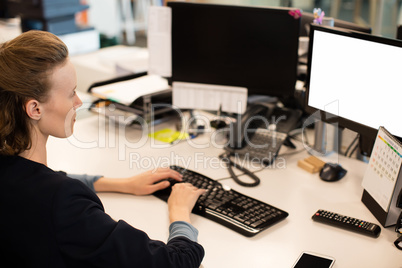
{"type": "Point", "coordinates": [104, 15]}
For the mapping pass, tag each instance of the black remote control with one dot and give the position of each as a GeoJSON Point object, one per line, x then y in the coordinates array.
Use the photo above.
{"type": "Point", "coordinates": [348, 223]}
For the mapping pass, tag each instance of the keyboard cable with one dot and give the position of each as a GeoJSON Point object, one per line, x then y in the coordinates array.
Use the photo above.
{"type": "Point", "coordinates": [229, 164]}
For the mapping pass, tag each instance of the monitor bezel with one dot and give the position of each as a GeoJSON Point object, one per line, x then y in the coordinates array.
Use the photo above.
{"type": "Point", "coordinates": [399, 32]}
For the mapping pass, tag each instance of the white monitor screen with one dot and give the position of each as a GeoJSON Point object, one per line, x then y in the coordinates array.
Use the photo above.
{"type": "Point", "coordinates": [357, 79]}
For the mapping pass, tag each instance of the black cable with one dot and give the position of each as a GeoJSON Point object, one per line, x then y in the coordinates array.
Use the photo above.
{"type": "Point", "coordinates": [354, 149]}
{"type": "Point", "coordinates": [241, 174]}
{"type": "Point", "coordinates": [300, 140]}
{"type": "Point", "coordinates": [398, 243]}
{"type": "Point", "coordinates": [229, 163]}
{"type": "Point", "coordinates": [251, 173]}
{"type": "Point", "coordinates": [350, 145]}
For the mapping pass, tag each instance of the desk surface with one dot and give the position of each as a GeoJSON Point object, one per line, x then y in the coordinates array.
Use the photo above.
{"type": "Point", "coordinates": [101, 148]}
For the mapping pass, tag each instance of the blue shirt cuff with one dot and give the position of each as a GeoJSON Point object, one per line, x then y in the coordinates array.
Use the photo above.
{"type": "Point", "coordinates": [182, 228]}
{"type": "Point", "coordinates": [88, 180]}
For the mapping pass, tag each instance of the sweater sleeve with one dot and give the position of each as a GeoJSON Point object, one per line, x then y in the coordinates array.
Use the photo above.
{"type": "Point", "coordinates": [88, 180]}
{"type": "Point", "coordinates": [88, 237]}
{"type": "Point", "coordinates": [179, 228]}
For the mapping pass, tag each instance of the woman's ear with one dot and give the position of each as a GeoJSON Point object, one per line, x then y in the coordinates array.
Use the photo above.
{"type": "Point", "coordinates": [33, 109]}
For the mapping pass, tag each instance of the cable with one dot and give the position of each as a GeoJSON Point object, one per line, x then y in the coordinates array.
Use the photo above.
{"type": "Point", "coordinates": [350, 145]}
{"type": "Point", "coordinates": [293, 136]}
{"type": "Point", "coordinates": [251, 174]}
{"type": "Point", "coordinates": [295, 132]}
{"type": "Point", "coordinates": [354, 149]}
{"type": "Point", "coordinates": [230, 164]}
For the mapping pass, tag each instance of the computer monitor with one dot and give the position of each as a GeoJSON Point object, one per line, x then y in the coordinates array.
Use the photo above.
{"type": "Point", "coordinates": [399, 32]}
{"type": "Point", "coordinates": [308, 18]}
{"type": "Point", "coordinates": [4, 14]}
{"type": "Point", "coordinates": [353, 80]}
{"type": "Point", "coordinates": [242, 46]}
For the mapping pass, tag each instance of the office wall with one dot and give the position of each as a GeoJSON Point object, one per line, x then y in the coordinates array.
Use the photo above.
{"type": "Point", "coordinates": [382, 16]}
{"type": "Point", "coordinates": [105, 16]}
{"type": "Point", "coordinates": [299, 3]}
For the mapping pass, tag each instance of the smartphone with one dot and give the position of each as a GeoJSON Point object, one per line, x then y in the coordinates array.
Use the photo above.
{"type": "Point", "coordinates": [310, 259]}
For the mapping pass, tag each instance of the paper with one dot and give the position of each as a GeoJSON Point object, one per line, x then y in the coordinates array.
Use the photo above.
{"type": "Point", "coordinates": [126, 92]}
{"type": "Point", "coordinates": [383, 170]}
{"type": "Point", "coordinates": [209, 97]}
{"type": "Point", "coordinates": [159, 41]}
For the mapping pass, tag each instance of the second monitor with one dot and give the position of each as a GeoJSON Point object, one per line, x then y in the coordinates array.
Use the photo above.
{"type": "Point", "coordinates": [251, 47]}
{"type": "Point", "coordinates": [354, 81]}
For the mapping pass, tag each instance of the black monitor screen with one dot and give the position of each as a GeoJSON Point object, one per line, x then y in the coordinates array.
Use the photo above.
{"type": "Point", "coordinates": [355, 79]}
{"type": "Point", "coordinates": [3, 9]}
{"type": "Point", "coordinates": [399, 32]}
{"type": "Point", "coordinates": [240, 46]}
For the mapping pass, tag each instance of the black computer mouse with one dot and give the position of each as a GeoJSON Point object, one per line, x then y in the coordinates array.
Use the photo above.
{"type": "Point", "coordinates": [332, 172]}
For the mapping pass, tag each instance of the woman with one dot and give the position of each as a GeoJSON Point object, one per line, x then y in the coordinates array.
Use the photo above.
{"type": "Point", "coordinates": [49, 219]}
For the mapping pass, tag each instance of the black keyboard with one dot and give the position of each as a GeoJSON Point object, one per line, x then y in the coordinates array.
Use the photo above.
{"type": "Point", "coordinates": [228, 207]}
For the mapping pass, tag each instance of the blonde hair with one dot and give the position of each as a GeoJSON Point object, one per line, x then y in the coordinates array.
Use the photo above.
{"type": "Point", "coordinates": [25, 65]}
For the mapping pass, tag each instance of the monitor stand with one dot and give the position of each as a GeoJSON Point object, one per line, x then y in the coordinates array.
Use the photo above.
{"type": "Point", "coordinates": [327, 138]}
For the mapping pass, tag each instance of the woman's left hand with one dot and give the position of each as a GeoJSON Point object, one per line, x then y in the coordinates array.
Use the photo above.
{"type": "Point", "coordinates": [143, 184]}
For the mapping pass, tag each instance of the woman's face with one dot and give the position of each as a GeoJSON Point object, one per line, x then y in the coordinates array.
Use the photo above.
{"type": "Point", "coordinates": [59, 111]}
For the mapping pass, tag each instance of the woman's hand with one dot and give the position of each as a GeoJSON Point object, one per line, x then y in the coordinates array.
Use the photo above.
{"type": "Point", "coordinates": [182, 200]}
{"type": "Point", "coordinates": [143, 184]}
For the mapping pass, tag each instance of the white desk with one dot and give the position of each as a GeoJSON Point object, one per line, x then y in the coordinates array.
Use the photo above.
{"type": "Point", "coordinates": [287, 187]}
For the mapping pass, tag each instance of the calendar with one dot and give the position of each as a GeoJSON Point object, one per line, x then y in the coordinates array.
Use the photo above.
{"type": "Point", "coordinates": [383, 169]}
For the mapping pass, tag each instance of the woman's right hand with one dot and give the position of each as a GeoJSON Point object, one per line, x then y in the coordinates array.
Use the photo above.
{"type": "Point", "coordinates": [182, 200]}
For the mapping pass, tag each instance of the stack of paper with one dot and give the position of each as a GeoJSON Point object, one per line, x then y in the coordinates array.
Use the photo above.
{"type": "Point", "coordinates": [126, 92]}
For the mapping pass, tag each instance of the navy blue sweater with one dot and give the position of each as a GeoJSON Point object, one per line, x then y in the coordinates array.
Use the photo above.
{"type": "Point", "coordinates": [50, 220]}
